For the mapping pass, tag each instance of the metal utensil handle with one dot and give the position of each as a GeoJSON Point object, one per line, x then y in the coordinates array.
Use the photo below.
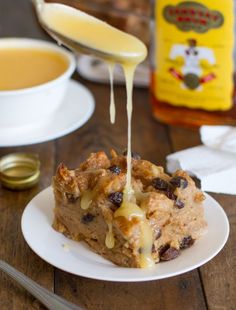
{"type": "Point", "coordinates": [48, 299]}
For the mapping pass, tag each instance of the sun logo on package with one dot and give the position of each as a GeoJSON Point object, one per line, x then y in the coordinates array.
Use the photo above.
{"type": "Point", "coordinates": [195, 61]}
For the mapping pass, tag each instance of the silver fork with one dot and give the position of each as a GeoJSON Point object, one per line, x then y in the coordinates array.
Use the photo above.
{"type": "Point", "coordinates": [48, 299]}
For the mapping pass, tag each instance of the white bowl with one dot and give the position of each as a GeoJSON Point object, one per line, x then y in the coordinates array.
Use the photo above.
{"type": "Point", "coordinates": [34, 104]}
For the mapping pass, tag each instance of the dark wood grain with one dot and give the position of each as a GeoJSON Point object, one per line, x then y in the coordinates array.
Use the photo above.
{"type": "Point", "coordinates": [212, 286]}
{"type": "Point", "coordinates": [183, 292]}
{"type": "Point", "coordinates": [13, 248]}
{"type": "Point", "coordinates": [218, 276]}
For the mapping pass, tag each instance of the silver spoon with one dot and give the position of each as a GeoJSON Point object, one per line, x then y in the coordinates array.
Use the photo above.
{"type": "Point", "coordinates": [76, 45]}
{"type": "Point", "coordinates": [48, 299]}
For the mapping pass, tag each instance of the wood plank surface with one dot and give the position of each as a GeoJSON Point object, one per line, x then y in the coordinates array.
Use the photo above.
{"type": "Point", "coordinates": [14, 249]}
{"type": "Point", "coordinates": [218, 275]}
{"type": "Point", "coordinates": [211, 287]}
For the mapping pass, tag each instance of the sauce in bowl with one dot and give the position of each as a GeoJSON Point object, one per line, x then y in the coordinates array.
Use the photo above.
{"type": "Point", "coordinates": [27, 67]}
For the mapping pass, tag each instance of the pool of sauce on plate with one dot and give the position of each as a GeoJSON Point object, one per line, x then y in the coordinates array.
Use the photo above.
{"type": "Point", "coordinates": [129, 53]}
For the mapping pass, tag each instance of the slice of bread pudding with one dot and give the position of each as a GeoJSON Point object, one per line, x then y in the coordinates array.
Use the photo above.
{"type": "Point", "coordinates": [164, 216]}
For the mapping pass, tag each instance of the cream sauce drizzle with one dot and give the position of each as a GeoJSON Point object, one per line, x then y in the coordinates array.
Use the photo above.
{"type": "Point", "coordinates": [130, 51]}
{"type": "Point", "coordinates": [129, 76]}
{"type": "Point", "coordinates": [146, 241]}
{"type": "Point", "coordinates": [129, 210]}
{"type": "Point", "coordinates": [112, 100]}
{"type": "Point", "coordinates": [86, 199]}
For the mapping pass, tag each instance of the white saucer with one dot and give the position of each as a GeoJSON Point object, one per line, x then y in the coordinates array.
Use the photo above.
{"type": "Point", "coordinates": [76, 108]}
{"type": "Point", "coordinates": [77, 258]}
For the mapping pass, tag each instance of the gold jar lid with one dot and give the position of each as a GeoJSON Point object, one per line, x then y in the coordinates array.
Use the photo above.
{"type": "Point", "coordinates": [19, 170]}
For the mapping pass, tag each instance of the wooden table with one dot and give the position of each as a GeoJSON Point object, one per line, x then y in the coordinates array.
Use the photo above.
{"type": "Point", "coordinates": [213, 286]}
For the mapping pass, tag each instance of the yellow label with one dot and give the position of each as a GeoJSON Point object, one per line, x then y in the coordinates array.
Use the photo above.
{"type": "Point", "coordinates": [194, 53]}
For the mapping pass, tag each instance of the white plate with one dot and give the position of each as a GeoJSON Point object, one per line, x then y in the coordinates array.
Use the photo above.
{"type": "Point", "coordinates": [77, 258]}
{"type": "Point", "coordinates": [76, 108]}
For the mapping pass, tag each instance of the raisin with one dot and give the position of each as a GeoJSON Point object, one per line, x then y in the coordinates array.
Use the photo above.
{"type": "Point", "coordinates": [160, 184]}
{"type": "Point", "coordinates": [186, 242]}
{"type": "Point", "coordinates": [115, 169]}
{"type": "Point", "coordinates": [169, 253]}
{"type": "Point", "coordinates": [134, 155]}
{"type": "Point", "coordinates": [140, 250]}
{"type": "Point", "coordinates": [179, 182]}
{"type": "Point", "coordinates": [163, 248]}
{"type": "Point", "coordinates": [116, 198]}
{"type": "Point", "coordinates": [170, 193]}
{"type": "Point", "coordinates": [71, 198]}
{"type": "Point", "coordinates": [87, 218]}
{"type": "Point", "coordinates": [197, 182]}
{"type": "Point", "coordinates": [179, 204]}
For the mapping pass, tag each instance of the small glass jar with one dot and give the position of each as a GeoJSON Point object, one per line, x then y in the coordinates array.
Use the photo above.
{"type": "Point", "coordinates": [193, 64]}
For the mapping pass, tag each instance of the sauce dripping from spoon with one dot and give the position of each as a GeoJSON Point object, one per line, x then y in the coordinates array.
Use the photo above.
{"type": "Point", "coordinates": [112, 99]}
{"type": "Point", "coordinates": [84, 33]}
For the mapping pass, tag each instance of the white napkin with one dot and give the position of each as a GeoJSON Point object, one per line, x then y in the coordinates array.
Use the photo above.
{"type": "Point", "coordinates": [219, 137]}
{"type": "Point", "coordinates": [96, 70]}
{"type": "Point", "coordinates": [214, 163]}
